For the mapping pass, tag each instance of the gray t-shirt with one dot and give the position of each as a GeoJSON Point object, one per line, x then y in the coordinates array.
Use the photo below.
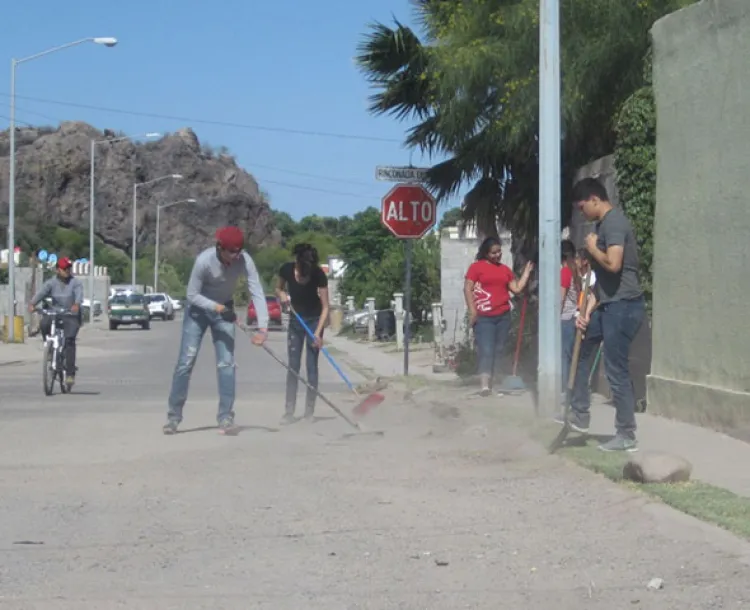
{"type": "Point", "coordinates": [615, 230]}
{"type": "Point", "coordinates": [212, 282]}
{"type": "Point", "coordinates": [63, 294]}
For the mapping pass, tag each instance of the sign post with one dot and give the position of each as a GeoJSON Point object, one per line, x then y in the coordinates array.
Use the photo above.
{"type": "Point", "coordinates": [408, 211]}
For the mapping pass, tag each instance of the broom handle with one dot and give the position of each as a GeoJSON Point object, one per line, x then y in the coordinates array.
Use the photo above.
{"type": "Point", "coordinates": [520, 335]}
{"type": "Point", "coordinates": [311, 334]}
{"type": "Point", "coordinates": [579, 337]}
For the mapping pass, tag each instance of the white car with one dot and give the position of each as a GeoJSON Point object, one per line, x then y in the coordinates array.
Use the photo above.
{"type": "Point", "coordinates": [160, 306]}
{"type": "Point", "coordinates": [176, 304]}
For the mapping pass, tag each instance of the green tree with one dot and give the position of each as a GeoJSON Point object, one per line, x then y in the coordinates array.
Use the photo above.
{"type": "Point", "coordinates": [363, 247]}
{"type": "Point", "coordinates": [450, 218]}
{"type": "Point", "coordinates": [285, 224]}
{"type": "Point", "coordinates": [389, 275]}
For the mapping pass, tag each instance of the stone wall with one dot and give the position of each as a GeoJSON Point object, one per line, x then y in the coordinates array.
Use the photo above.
{"type": "Point", "coordinates": [701, 361]}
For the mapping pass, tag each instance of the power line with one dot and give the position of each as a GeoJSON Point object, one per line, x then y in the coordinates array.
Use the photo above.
{"type": "Point", "coordinates": [257, 165]}
{"type": "Point", "coordinates": [327, 191]}
{"type": "Point", "coordinates": [153, 115]}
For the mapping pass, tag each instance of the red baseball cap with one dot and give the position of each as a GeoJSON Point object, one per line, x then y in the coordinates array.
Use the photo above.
{"type": "Point", "coordinates": [64, 263]}
{"type": "Point", "coordinates": [230, 238]}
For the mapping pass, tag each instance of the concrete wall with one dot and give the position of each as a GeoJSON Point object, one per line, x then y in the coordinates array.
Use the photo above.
{"type": "Point", "coordinates": [701, 355]}
{"type": "Point", "coordinates": [458, 249]}
{"type": "Point", "coordinates": [27, 281]}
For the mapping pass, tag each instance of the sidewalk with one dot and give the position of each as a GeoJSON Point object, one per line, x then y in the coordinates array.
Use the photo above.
{"type": "Point", "coordinates": [384, 362]}
{"type": "Point", "coordinates": [717, 459]}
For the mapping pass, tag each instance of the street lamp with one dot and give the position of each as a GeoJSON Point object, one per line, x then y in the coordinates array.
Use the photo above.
{"type": "Point", "coordinates": [91, 211]}
{"type": "Point", "coordinates": [135, 205]}
{"type": "Point", "coordinates": [107, 42]}
{"type": "Point", "coordinates": [156, 255]}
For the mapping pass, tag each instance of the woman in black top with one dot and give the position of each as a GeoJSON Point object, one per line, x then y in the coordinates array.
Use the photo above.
{"type": "Point", "coordinates": [305, 285]}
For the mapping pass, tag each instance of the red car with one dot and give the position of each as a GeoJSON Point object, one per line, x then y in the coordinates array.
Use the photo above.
{"type": "Point", "coordinates": [274, 312]}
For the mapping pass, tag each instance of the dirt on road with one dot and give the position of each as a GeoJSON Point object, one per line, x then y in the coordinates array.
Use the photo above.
{"type": "Point", "coordinates": [450, 509]}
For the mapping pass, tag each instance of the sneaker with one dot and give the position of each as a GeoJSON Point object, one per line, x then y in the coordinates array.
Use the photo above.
{"type": "Point", "coordinates": [309, 416]}
{"type": "Point", "coordinates": [485, 392]}
{"type": "Point", "coordinates": [170, 427]}
{"type": "Point", "coordinates": [227, 427]}
{"type": "Point", "coordinates": [70, 381]}
{"type": "Point", "coordinates": [288, 419]}
{"type": "Point", "coordinates": [620, 443]}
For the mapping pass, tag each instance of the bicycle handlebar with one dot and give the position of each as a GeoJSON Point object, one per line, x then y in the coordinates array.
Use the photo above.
{"type": "Point", "coordinates": [55, 311]}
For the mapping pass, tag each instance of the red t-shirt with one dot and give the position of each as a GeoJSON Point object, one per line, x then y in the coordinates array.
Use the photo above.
{"type": "Point", "coordinates": [491, 281]}
{"type": "Point", "coordinates": [566, 277]}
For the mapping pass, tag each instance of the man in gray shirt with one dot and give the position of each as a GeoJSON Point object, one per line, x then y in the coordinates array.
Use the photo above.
{"type": "Point", "coordinates": [66, 292]}
{"type": "Point", "coordinates": [209, 294]}
{"type": "Point", "coordinates": [616, 316]}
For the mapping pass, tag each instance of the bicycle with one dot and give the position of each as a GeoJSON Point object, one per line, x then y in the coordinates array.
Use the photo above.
{"type": "Point", "coordinates": [53, 358]}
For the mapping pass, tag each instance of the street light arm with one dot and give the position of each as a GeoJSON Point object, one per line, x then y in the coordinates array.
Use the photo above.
{"type": "Point", "coordinates": [172, 176]}
{"type": "Point", "coordinates": [53, 50]}
{"type": "Point", "coordinates": [169, 205]}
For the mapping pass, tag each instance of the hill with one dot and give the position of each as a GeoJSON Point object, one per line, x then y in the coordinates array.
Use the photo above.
{"type": "Point", "coordinates": [53, 178]}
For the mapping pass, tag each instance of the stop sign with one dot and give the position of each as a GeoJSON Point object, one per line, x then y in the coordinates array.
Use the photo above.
{"type": "Point", "coordinates": [408, 211]}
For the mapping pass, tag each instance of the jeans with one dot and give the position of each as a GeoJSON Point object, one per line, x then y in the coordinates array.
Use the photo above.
{"type": "Point", "coordinates": [71, 326]}
{"type": "Point", "coordinates": [568, 342]}
{"type": "Point", "coordinates": [491, 333]}
{"type": "Point", "coordinates": [297, 338]}
{"type": "Point", "coordinates": [194, 325]}
{"type": "Point", "coordinates": [616, 324]}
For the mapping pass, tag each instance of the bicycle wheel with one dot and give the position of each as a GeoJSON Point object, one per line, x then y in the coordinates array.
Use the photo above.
{"type": "Point", "coordinates": [64, 387]}
{"type": "Point", "coordinates": [48, 372]}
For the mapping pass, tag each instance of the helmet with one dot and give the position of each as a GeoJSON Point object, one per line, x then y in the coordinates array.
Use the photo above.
{"type": "Point", "coordinates": [230, 238]}
{"type": "Point", "coordinates": [64, 263]}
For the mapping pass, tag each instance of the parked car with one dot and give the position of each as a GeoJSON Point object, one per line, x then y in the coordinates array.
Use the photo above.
{"type": "Point", "coordinates": [274, 312]}
{"type": "Point", "coordinates": [160, 306]}
{"type": "Point", "coordinates": [176, 303]}
{"type": "Point", "coordinates": [128, 309]}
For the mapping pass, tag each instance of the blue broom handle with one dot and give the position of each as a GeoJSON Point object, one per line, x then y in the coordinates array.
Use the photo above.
{"type": "Point", "coordinates": [311, 334]}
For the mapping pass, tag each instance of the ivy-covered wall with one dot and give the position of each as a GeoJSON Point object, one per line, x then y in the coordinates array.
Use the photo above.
{"type": "Point", "coordinates": [635, 163]}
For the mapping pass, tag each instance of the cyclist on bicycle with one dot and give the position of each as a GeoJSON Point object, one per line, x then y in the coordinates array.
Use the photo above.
{"type": "Point", "coordinates": [66, 292]}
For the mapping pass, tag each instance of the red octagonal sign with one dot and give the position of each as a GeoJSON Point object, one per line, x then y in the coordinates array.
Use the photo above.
{"type": "Point", "coordinates": [408, 211]}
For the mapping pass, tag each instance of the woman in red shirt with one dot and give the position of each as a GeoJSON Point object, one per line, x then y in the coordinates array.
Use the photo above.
{"type": "Point", "coordinates": [487, 289]}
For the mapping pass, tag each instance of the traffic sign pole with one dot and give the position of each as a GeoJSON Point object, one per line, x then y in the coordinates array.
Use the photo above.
{"type": "Point", "coordinates": [409, 245]}
{"type": "Point", "coordinates": [409, 212]}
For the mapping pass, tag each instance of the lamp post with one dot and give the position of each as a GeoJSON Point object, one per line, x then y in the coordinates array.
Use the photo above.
{"type": "Point", "coordinates": [549, 208]}
{"type": "Point", "coordinates": [156, 255]}
{"type": "Point", "coordinates": [107, 42]}
{"type": "Point", "coordinates": [135, 205]}
{"type": "Point", "coordinates": [92, 189]}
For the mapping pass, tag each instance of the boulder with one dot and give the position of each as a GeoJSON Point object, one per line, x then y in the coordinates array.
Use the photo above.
{"type": "Point", "coordinates": [654, 467]}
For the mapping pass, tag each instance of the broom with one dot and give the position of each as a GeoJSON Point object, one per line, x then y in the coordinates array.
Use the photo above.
{"type": "Point", "coordinates": [513, 383]}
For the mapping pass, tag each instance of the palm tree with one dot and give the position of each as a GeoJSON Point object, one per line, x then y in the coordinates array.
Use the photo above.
{"type": "Point", "coordinates": [472, 89]}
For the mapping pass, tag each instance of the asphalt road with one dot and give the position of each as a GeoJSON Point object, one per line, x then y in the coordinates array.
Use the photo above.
{"type": "Point", "coordinates": [99, 510]}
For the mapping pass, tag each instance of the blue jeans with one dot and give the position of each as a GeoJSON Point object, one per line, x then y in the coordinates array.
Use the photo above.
{"type": "Point", "coordinates": [568, 342]}
{"type": "Point", "coordinates": [297, 338]}
{"type": "Point", "coordinates": [194, 325]}
{"type": "Point", "coordinates": [491, 333]}
{"type": "Point", "coordinates": [616, 324]}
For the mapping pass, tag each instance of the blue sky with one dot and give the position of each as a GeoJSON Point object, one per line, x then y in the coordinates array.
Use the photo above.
{"type": "Point", "coordinates": [286, 64]}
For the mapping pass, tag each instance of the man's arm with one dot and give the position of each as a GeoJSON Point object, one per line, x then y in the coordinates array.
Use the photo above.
{"type": "Point", "coordinates": [43, 292]}
{"type": "Point", "coordinates": [195, 285]}
{"type": "Point", "coordinates": [78, 294]}
{"type": "Point", "coordinates": [257, 293]}
{"type": "Point", "coordinates": [614, 243]}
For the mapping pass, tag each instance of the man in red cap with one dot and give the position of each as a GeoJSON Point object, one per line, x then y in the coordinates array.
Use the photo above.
{"type": "Point", "coordinates": [209, 294]}
{"type": "Point", "coordinates": [66, 292]}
